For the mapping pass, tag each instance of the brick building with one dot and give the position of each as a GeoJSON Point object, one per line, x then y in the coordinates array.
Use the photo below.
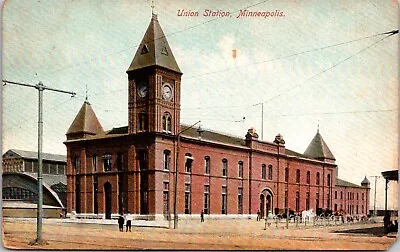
{"type": "Point", "coordinates": [132, 168]}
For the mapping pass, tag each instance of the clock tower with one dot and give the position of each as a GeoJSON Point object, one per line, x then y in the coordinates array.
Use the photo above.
{"type": "Point", "coordinates": [154, 85]}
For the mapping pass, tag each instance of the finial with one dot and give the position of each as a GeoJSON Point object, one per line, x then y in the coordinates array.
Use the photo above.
{"type": "Point", "coordinates": [152, 8]}
{"type": "Point", "coordinates": [86, 98]}
{"type": "Point", "coordinates": [318, 127]}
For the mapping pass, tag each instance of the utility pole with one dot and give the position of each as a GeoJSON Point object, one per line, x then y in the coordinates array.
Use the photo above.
{"type": "Point", "coordinates": [262, 118]}
{"type": "Point", "coordinates": [178, 136]}
{"type": "Point", "coordinates": [40, 87]}
{"type": "Point", "coordinates": [376, 178]}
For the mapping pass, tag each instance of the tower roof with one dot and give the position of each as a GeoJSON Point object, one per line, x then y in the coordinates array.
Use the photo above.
{"type": "Point", "coordinates": [85, 121]}
{"type": "Point", "coordinates": [154, 50]}
{"type": "Point", "coordinates": [365, 181]}
{"type": "Point", "coordinates": [318, 149]}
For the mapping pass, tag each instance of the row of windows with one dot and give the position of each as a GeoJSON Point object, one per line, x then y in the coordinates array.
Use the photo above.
{"type": "Point", "coordinates": [206, 199]}
{"type": "Point", "coordinates": [106, 162]}
{"type": "Point", "coordinates": [18, 193]}
{"type": "Point", "coordinates": [350, 195]}
{"type": "Point", "coordinates": [189, 163]}
{"type": "Point", "coordinates": [349, 209]}
{"type": "Point", "coordinates": [308, 177]}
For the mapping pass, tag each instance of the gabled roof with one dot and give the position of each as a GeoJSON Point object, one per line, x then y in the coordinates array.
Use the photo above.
{"type": "Point", "coordinates": [154, 50]}
{"type": "Point", "coordinates": [34, 155]}
{"type": "Point", "coordinates": [85, 121]}
{"type": "Point", "coordinates": [340, 182]}
{"type": "Point", "coordinates": [318, 149]}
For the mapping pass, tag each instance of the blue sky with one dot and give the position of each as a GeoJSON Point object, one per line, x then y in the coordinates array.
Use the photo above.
{"type": "Point", "coordinates": [323, 62]}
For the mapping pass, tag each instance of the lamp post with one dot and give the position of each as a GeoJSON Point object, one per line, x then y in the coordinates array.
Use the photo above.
{"type": "Point", "coordinates": [178, 137]}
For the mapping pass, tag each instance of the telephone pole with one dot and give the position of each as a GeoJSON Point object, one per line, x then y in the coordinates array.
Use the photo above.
{"type": "Point", "coordinates": [376, 178]}
{"type": "Point", "coordinates": [40, 87]}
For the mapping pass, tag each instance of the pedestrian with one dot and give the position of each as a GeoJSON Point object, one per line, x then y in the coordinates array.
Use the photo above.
{"type": "Point", "coordinates": [128, 218]}
{"type": "Point", "coordinates": [202, 216]}
{"type": "Point", "coordinates": [269, 218]}
{"type": "Point", "coordinates": [258, 214]}
{"type": "Point", "coordinates": [121, 221]}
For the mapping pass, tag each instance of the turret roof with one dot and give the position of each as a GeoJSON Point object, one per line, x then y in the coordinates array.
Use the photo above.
{"type": "Point", "coordinates": [154, 50]}
{"type": "Point", "coordinates": [318, 148]}
{"type": "Point", "coordinates": [85, 121]}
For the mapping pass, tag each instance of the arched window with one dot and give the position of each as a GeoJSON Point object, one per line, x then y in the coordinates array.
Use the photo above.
{"type": "Point", "coordinates": [286, 174]}
{"type": "Point", "coordinates": [308, 177]}
{"type": "Point", "coordinates": [167, 159]}
{"type": "Point", "coordinates": [167, 123]}
{"type": "Point", "coordinates": [270, 172]}
{"type": "Point", "coordinates": [329, 179]}
{"type": "Point", "coordinates": [94, 162]}
{"type": "Point", "coordinates": [240, 169]}
{"type": "Point", "coordinates": [317, 179]}
{"type": "Point", "coordinates": [143, 124]}
{"type": "Point", "coordinates": [206, 165]}
{"type": "Point", "coordinates": [188, 162]}
{"type": "Point", "coordinates": [224, 167]}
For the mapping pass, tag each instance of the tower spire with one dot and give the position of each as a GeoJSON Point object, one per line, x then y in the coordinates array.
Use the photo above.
{"type": "Point", "coordinates": [318, 127]}
{"type": "Point", "coordinates": [86, 98]}
{"type": "Point", "coordinates": [152, 8]}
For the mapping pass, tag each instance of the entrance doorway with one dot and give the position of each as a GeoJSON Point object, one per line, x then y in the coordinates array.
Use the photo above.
{"type": "Point", "coordinates": [266, 202]}
{"type": "Point", "coordinates": [108, 198]}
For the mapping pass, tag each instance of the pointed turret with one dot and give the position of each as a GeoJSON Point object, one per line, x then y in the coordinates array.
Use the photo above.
{"type": "Point", "coordinates": [319, 150]}
{"type": "Point", "coordinates": [154, 50]}
{"type": "Point", "coordinates": [85, 123]}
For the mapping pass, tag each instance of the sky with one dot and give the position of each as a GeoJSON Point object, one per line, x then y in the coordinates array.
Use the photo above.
{"type": "Point", "coordinates": [318, 64]}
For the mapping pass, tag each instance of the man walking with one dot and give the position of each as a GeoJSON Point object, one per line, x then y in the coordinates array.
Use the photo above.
{"type": "Point", "coordinates": [121, 223]}
{"type": "Point", "coordinates": [128, 218]}
{"type": "Point", "coordinates": [202, 216]}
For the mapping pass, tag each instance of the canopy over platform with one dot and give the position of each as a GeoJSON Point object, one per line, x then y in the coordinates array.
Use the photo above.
{"type": "Point", "coordinates": [391, 175]}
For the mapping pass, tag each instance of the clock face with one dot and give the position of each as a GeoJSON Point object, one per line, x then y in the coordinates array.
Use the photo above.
{"type": "Point", "coordinates": [142, 89]}
{"type": "Point", "coordinates": [167, 91]}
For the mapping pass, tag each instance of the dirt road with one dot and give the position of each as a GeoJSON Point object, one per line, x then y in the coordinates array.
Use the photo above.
{"type": "Point", "coordinates": [213, 234]}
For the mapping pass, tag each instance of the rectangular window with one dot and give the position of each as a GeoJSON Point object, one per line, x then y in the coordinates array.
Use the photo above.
{"type": "Point", "coordinates": [335, 209]}
{"type": "Point", "coordinates": [77, 164]}
{"type": "Point", "coordinates": [166, 199]}
{"type": "Point", "coordinates": [187, 198]}
{"type": "Point", "coordinates": [316, 200]}
{"type": "Point", "coordinates": [270, 172]}
{"type": "Point", "coordinates": [286, 174]}
{"type": "Point", "coordinates": [167, 159]}
{"type": "Point", "coordinates": [308, 177]}
{"type": "Point", "coordinates": [224, 167]}
{"type": "Point", "coordinates": [263, 171]}
{"type": "Point", "coordinates": [297, 201]}
{"type": "Point", "coordinates": [206, 207]}
{"type": "Point", "coordinates": [297, 176]}
{"type": "Point", "coordinates": [341, 195]}
{"type": "Point", "coordinates": [240, 169]}
{"type": "Point", "coordinates": [335, 194]}
{"type": "Point", "coordinates": [94, 162]}
{"type": "Point", "coordinates": [224, 200]}
{"type": "Point", "coordinates": [328, 201]}
{"type": "Point", "coordinates": [240, 200]}
{"type": "Point", "coordinates": [362, 196]}
{"type": "Point", "coordinates": [356, 209]}
{"type": "Point", "coordinates": [317, 179]}
{"type": "Point", "coordinates": [120, 161]}
{"type": "Point", "coordinates": [207, 165]}
{"type": "Point", "coordinates": [357, 196]}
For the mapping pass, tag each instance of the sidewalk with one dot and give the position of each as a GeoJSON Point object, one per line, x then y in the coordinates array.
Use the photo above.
{"type": "Point", "coordinates": [135, 223]}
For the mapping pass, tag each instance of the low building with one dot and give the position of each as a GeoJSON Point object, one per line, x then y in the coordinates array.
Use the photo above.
{"type": "Point", "coordinates": [19, 179]}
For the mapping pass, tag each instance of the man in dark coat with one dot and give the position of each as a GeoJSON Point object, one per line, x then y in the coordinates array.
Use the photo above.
{"type": "Point", "coordinates": [121, 221]}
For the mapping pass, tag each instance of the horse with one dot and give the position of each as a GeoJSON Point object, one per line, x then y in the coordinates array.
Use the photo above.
{"type": "Point", "coordinates": [307, 214]}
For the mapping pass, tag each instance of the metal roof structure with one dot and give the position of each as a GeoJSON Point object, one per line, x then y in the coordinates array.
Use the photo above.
{"type": "Point", "coordinates": [12, 153]}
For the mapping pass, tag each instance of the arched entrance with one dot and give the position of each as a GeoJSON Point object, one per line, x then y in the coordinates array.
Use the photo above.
{"type": "Point", "coordinates": [108, 197]}
{"type": "Point", "coordinates": [266, 202]}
